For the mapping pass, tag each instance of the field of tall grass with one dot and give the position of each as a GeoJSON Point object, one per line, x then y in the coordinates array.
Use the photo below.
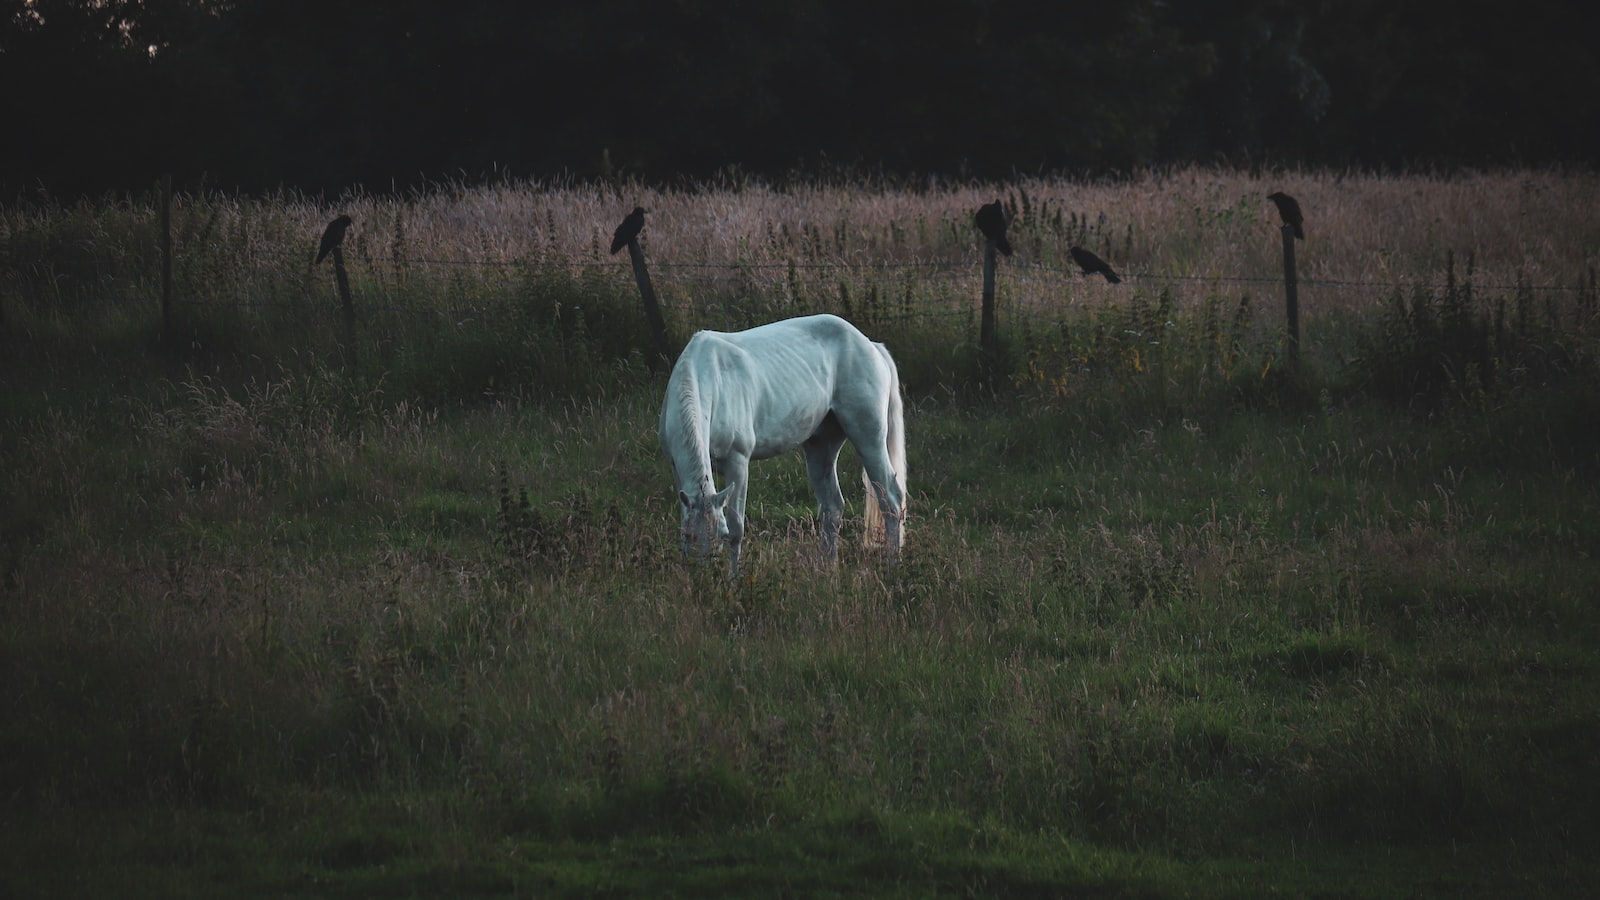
{"type": "Point", "coordinates": [1175, 618]}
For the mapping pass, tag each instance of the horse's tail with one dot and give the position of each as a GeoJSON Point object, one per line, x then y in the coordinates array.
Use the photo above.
{"type": "Point", "coordinates": [874, 532]}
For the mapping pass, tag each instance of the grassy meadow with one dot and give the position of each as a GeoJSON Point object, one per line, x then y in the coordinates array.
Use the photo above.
{"type": "Point", "coordinates": [287, 614]}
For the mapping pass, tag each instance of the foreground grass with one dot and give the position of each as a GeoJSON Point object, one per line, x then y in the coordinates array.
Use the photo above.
{"type": "Point", "coordinates": [255, 642]}
{"type": "Point", "coordinates": [337, 850]}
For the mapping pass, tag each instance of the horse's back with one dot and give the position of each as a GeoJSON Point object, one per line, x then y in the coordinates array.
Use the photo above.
{"type": "Point", "coordinates": [771, 387]}
{"type": "Point", "coordinates": [824, 331]}
{"type": "Point", "coordinates": [821, 340]}
{"type": "Point", "coordinates": [822, 349]}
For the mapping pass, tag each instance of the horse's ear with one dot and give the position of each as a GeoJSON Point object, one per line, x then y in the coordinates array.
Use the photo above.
{"type": "Point", "coordinates": [684, 499]}
{"type": "Point", "coordinates": [720, 498]}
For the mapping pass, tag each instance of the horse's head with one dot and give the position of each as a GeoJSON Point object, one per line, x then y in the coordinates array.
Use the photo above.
{"type": "Point", "coordinates": [703, 520]}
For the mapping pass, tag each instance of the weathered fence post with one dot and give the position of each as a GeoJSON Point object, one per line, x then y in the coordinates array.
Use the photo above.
{"type": "Point", "coordinates": [627, 235]}
{"type": "Point", "coordinates": [986, 324]}
{"type": "Point", "coordinates": [166, 259]}
{"type": "Point", "coordinates": [348, 305]}
{"type": "Point", "coordinates": [1290, 295]}
{"type": "Point", "coordinates": [652, 309]}
{"type": "Point", "coordinates": [991, 221]}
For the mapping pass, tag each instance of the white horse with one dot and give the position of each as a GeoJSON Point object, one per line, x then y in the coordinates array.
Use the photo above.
{"type": "Point", "coordinates": [811, 382]}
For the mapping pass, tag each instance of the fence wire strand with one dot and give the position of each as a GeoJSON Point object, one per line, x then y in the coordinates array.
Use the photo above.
{"type": "Point", "coordinates": [290, 281]}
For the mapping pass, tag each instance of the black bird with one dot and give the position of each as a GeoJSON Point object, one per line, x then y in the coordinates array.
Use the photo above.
{"type": "Point", "coordinates": [628, 230]}
{"type": "Point", "coordinates": [332, 237]}
{"type": "Point", "coordinates": [991, 219]}
{"type": "Point", "coordinates": [1092, 264]}
{"type": "Point", "coordinates": [1289, 211]}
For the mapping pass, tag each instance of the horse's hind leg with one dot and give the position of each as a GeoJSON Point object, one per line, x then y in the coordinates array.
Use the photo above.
{"type": "Point", "coordinates": [870, 436]}
{"type": "Point", "coordinates": [891, 507]}
{"type": "Point", "coordinates": [822, 457]}
{"type": "Point", "coordinates": [884, 485]}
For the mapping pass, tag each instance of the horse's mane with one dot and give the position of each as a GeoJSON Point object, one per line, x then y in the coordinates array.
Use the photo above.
{"type": "Point", "coordinates": [689, 421]}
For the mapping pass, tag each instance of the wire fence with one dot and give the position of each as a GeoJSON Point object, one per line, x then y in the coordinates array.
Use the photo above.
{"type": "Point", "coordinates": [694, 294]}
{"type": "Point", "coordinates": [25, 278]}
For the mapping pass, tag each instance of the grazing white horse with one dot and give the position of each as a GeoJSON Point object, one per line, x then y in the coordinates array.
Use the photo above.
{"type": "Point", "coordinates": [811, 382]}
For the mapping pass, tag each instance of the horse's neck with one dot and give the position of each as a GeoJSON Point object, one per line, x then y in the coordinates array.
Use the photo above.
{"type": "Point", "coordinates": [696, 468]}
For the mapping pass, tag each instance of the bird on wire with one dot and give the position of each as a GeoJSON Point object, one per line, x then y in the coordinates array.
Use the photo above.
{"type": "Point", "coordinates": [1092, 264]}
{"type": "Point", "coordinates": [332, 237]}
{"type": "Point", "coordinates": [1289, 211]}
{"type": "Point", "coordinates": [629, 230]}
{"type": "Point", "coordinates": [991, 219]}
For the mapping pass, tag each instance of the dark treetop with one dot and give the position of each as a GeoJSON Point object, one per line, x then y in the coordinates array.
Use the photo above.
{"type": "Point", "coordinates": [383, 94]}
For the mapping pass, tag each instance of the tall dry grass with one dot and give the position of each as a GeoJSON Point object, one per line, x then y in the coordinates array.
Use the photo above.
{"type": "Point", "coordinates": [1176, 224]}
{"type": "Point", "coordinates": [480, 265]}
{"type": "Point", "coordinates": [1188, 222]}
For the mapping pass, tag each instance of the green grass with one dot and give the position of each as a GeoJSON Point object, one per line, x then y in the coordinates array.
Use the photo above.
{"type": "Point", "coordinates": [374, 849]}
{"type": "Point", "coordinates": [1158, 649]}
{"type": "Point", "coordinates": [1171, 621]}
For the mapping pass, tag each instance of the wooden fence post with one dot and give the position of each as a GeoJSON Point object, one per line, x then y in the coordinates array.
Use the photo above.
{"type": "Point", "coordinates": [1290, 295]}
{"type": "Point", "coordinates": [348, 305]}
{"type": "Point", "coordinates": [986, 324]}
{"type": "Point", "coordinates": [166, 259]}
{"type": "Point", "coordinates": [652, 309]}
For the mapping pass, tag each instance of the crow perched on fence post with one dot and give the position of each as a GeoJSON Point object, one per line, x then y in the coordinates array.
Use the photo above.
{"type": "Point", "coordinates": [991, 219]}
{"type": "Point", "coordinates": [1092, 264]}
{"type": "Point", "coordinates": [332, 237]}
{"type": "Point", "coordinates": [629, 230]}
{"type": "Point", "coordinates": [1289, 211]}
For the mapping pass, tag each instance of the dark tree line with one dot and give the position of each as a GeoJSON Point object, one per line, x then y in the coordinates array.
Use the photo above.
{"type": "Point", "coordinates": [323, 95]}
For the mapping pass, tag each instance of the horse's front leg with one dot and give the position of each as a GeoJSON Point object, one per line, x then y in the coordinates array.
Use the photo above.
{"type": "Point", "coordinates": [736, 471]}
{"type": "Point", "coordinates": [822, 458]}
